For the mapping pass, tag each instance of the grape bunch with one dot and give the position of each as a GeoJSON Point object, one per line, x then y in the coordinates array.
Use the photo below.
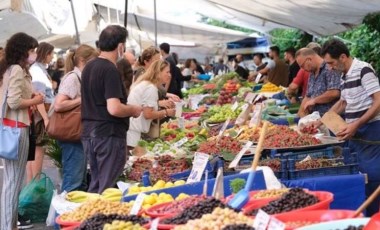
{"type": "Point", "coordinates": [97, 221]}
{"type": "Point", "coordinates": [296, 198]}
{"type": "Point", "coordinates": [195, 212]}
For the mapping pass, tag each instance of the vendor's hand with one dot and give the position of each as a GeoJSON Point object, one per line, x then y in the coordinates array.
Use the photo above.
{"type": "Point", "coordinates": [316, 124]}
{"type": "Point", "coordinates": [173, 97]}
{"type": "Point", "coordinates": [309, 104]}
{"type": "Point", "coordinates": [348, 132]}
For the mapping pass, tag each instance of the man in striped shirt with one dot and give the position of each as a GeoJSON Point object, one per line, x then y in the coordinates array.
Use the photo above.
{"type": "Point", "coordinates": [360, 105]}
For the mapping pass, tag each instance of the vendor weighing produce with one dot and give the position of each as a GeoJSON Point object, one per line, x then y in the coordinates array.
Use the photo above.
{"type": "Point", "coordinates": [360, 105]}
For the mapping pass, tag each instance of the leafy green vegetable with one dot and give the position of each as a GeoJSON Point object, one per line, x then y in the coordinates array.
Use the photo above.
{"type": "Point", "coordinates": [237, 184]}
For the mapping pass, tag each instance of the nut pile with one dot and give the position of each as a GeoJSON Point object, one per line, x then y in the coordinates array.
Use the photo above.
{"type": "Point", "coordinates": [218, 219]}
{"type": "Point", "coordinates": [180, 205]}
{"type": "Point", "coordinates": [98, 221]}
{"type": "Point", "coordinates": [122, 225]}
{"type": "Point", "coordinates": [296, 198]}
{"type": "Point", "coordinates": [92, 207]}
{"type": "Point", "coordinates": [270, 193]}
{"type": "Point", "coordinates": [195, 212]}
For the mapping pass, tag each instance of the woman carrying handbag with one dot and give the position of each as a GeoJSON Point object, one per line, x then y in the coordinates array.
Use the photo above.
{"type": "Point", "coordinates": [144, 92]}
{"type": "Point", "coordinates": [17, 99]}
{"type": "Point", "coordinates": [74, 163]}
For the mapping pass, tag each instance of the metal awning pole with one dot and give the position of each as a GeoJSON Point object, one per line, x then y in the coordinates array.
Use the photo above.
{"type": "Point", "coordinates": [126, 13]}
{"type": "Point", "coordinates": [77, 40]}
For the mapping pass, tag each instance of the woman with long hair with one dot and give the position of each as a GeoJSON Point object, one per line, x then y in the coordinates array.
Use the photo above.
{"type": "Point", "coordinates": [16, 81]}
{"type": "Point", "coordinates": [42, 83]}
{"type": "Point", "coordinates": [148, 56]}
{"type": "Point", "coordinates": [144, 92]}
{"type": "Point", "coordinates": [74, 163]}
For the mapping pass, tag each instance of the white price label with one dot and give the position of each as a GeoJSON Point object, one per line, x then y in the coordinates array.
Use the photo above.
{"type": "Point", "coordinates": [250, 97]}
{"type": "Point", "coordinates": [138, 203]}
{"type": "Point", "coordinates": [180, 142]}
{"type": "Point", "coordinates": [261, 221]}
{"type": "Point", "coordinates": [258, 77]}
{"type": "Point", "coordinates": [235, 106]}
{"type": "Point", "coordinates": [275, 224]}
{"type": "Point", "coordinates": [256, 117]}
{"type": "Point", "coordinates": [244, 107]}
{"type": "Point", "coordinates": [224, 127]}
{"type": "Point", "coordinates": [154, 225]}
{"type": "Point", "coordinates": [199, 165]}
{"type": "Point", "coordinates": [237, 158]}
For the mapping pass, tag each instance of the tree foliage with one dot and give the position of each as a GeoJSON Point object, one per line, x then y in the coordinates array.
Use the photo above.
{"type": "Point", "coordinates": [364, 42]}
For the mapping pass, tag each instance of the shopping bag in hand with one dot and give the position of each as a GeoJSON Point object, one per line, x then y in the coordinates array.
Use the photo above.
{"type": "Point", "coordinates": [35, 198]}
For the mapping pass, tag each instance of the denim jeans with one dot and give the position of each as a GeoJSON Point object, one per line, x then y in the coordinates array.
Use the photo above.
{"type": "Point", "coordinates": [74, 166]}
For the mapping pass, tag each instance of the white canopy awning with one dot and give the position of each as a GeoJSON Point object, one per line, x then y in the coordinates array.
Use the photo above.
{"type": "Point", "coordinates": [318, 17]}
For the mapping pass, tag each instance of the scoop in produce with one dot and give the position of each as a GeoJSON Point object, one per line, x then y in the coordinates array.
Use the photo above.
{"type": "Point", "coordinates": [242, 197]}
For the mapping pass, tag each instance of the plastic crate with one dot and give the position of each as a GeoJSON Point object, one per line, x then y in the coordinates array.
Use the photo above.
{"type": "Point", "coordinates": [350, 166]}
{"type": "Point", "coordinates": [328, 171]}
{"type": "Point", "coordinates": [327, 152]}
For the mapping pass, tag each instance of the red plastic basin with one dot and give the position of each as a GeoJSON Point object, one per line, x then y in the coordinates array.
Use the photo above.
{"type": "Point", "coordinates": [152, 211]}
{"type": "Point", "coordinates": [314, 216]}
{"type": "Point", "coordinates": [325, 199]}
{"type": "Point", "coordinates": [162, 226]}
{"type": "Point", "coordinates": [66, 224]}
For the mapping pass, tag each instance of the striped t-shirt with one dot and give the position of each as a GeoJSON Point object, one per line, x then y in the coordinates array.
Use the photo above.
{"type": "Point", "coordinates": [358, 84]}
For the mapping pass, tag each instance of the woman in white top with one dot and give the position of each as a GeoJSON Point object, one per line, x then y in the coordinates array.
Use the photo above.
{"type": "Point", "coordinates": [74, 163]}
{"type": "Point", "coordinates": [189, 72]}
{"type": "Point", "coordinates": [144, 92]}
{"type": "Point", "coordinates": [42, 84]}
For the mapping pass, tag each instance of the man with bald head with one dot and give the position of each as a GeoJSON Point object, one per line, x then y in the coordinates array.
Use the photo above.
{"type": "Point", "coordinates": [323, 88]}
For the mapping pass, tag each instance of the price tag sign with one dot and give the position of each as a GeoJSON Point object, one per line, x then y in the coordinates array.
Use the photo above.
{"type": "Point", "coordinates": [258, 77]}
{"type": "Point", "coordinates": [154, 224]}
{"type": "Point", "coordinates": [275, 224]}
{"type": "Point", "coordinates": [199, 165]}
{"type": "Point", "coordinates": [235, 106]}
{"type": "Point", "coordinates": [250, 97]}
{"type": "Point", "coordinates": [244, 107]}
{"type": "Point", "coordinates": [223, 129]}
{"type": "Point", "coordinates": [261, 221]}
{"type": "Point", "coordinates": [256, 117]}
{"type": "Point", "coordinates": [180, 142]}
{"type": "Point", "coordinates": [138, 203]}
{"type": "Point", "coordinates": [237, 158]}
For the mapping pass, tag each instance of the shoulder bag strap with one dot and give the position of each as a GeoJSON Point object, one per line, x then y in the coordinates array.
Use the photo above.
{"type": "Point", "coordinates": [4, 102]}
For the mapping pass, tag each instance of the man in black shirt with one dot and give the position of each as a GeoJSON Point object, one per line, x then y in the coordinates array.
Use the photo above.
{"type": "Point", "coordinates": [174, 86]}
{"type": "Point", "coordinates": [293, 65]}
{"type": "Point", "coordinates": [105, 114]}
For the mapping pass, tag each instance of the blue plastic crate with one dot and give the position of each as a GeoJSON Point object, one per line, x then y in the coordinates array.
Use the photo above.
{"type": "Point", "coordinates": [328, 171]}
{"type": "Point", "coordinates": [350, 166]}
{"type": "Point", "coordinates": [197, 188]}
{"type": "Point", "coordinates": [327, 152]}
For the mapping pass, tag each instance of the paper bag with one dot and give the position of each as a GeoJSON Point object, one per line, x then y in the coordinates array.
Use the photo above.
{"type": "Point", "coordinates": [333, 121]}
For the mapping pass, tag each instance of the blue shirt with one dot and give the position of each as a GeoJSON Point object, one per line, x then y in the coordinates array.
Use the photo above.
{"type": "Point", "coordinates": [317, 85]}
